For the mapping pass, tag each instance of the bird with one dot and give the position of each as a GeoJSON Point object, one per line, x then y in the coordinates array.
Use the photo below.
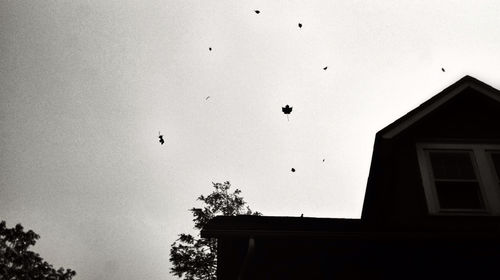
{"type": "Point", "coordinates": [293, 169]}
{"type": "Point", "coordinates": [326, 67]}
{"type": "Point", "coordinates": [300, 25]}
{"type": "Point", "coordinates": [442, 69]}
{"type": "Point", "coordinates": [210, 48]}
{"type": "Point", "coordinates": [206, 98]}
{"type": "Point", "coordinates": [323, 160]}
{"type": "Point", "coordinates": [302, 215]}
{"type": "Point", "coordinates": [161, 138]}
{"type": "Point", "coordinates": [257, 11]}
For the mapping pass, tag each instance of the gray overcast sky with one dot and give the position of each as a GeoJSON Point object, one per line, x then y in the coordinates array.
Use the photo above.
{"type": "Point", "coordinates": [86, 86]}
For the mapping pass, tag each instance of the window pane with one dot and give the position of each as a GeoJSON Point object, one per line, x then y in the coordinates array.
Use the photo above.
{"type": "Point", "coordinates": [452, 165]}
{"type": "Point", "coordinates": [496, 162]}
{"type": "Point", "coordinates": [459, 195]}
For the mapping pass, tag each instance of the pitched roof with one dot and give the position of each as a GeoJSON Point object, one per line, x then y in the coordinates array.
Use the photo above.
{"type": "Point", "coordinates": [381, 163]}
{"type": "Point", "coordinates": [268, 226]}
{"type": "Point", "coordinates": [437, 101]}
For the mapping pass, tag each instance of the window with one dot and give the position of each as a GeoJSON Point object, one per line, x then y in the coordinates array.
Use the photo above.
{"type": "Point", "coordinates": [495, 160]}
{"type": "Point", "coordinates": [461, 178]}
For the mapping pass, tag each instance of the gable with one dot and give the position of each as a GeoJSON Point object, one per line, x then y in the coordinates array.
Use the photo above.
{"type": "Point", "coordinates": [469, 115]}
{"type": "Point", "coordinates": [466, 113]}
{"type": "Point", "coordinates": [466, 85]}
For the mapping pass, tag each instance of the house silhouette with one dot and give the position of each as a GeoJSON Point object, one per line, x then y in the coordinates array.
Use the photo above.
{"type": "Point", "coordinates": [431, 208]}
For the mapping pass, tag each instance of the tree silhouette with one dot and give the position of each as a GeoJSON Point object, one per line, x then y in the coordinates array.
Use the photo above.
{"type": "Point", "coordinates": [17, 262]}
{"type": "Point", "coordinates": [195, 258]}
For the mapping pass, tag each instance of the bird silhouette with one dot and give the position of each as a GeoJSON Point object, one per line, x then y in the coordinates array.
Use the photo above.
{"type": "Point", "coordinates": [293, 169]}
{"type": "Point", "coordinates": [257, 11]}
{"type": "Point", "coordinates": [323, 160]}
{"type": "Point", "coordinates": [161, 138]}
{"type": "Point", "coordinates": [210, 48]}
{"type": "Point", "coordinates": [442, 69]}
{"type": "Point", "coordinates": [300, 25]}
{"type": "Point", "coordinates": [302, 215]}
{"type": "Point", "coordinates": [326, 67]}
{"type": "Point", "coordinates": [206, 98]}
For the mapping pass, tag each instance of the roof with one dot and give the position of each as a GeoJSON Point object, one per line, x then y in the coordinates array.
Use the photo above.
{"type": "Point", "coordinates": [380, 163]}
{"type": "Point", "coordinates": [269, 226]}
{"type": "Point", "coordinates": [246, 225]}
{"type": "Point", "coordinates": [437, 101]}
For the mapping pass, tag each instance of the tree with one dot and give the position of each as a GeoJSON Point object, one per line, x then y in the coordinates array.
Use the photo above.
{"type": "Point", "coordinates": [17, 262]}
{"type": "Point", "coordinates": [195, 258]}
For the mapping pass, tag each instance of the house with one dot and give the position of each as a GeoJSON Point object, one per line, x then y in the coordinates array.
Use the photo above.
{"type": "Point", "coordinates": [431, 208]}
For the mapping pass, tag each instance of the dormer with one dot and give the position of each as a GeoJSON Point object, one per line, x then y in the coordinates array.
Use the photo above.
{"type": "Point", "coordinates": [440, 163]}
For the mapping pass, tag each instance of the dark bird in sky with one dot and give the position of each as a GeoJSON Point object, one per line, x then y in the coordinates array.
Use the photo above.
{"type": "Point", "coordinates": [300, 25]}
{"type": "Point", "coordinates": [323, 160]}
{"type": "Point", "coordinates": [206, 98]}
{"type": "Point", "coordinates": [326, 67]}
{"type": "Point", "coordinates": [442, 69]}
{"type": "Point", "coordinates": [257, 11]}
{"type": "Point", "coordinates": [293, 169]}
{"type": "Point", "coordinates": [287, 110]}
{"type": "Point", "coordinates": [210, 48]}
{"type": "Point", "coordinates": [161, 138]}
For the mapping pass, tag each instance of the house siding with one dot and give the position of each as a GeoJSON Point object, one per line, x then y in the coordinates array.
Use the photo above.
{"type": "Point", "coordinates": [469, 118]}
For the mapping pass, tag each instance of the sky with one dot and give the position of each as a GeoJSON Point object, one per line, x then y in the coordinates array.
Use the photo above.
{"type": "Point", "coordinates": [86, 86]}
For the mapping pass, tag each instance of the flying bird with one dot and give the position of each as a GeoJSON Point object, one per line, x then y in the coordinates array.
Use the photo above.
{"type": "Point", "coordinates": [287, 110]}
{"type": "Point", "coordinates": [210, 48]}
{"type": "Point", "coordinates": [206, 98]}
{"type": "Point", "coordinates": [300, 25]}
{"type": "Point", "coordinates": [326, 67]}
{"type": "Point", "coordinates": [293, 169]}
{"type": "Point", "coordinates": [442, 69]}
{"type": "Point", "coordinates": [323, 160]}
{"type": "Point", "coordinates": [161, 138]}
{"type": "Point", "coordinates": [257, 11]}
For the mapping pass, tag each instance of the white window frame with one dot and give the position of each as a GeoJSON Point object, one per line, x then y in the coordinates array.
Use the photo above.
{"type": "Point", "coordinates": [483, 167]}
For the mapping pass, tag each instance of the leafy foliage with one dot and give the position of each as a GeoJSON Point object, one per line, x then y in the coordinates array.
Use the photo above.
{"type": "Point", "coordinates": [193, 257]}
{"type": "Point", "coordinates": [17, 262]}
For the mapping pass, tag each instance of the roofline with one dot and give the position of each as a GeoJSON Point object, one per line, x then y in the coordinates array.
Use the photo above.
{"type": "Point", "coordinates": [275, 233]}
{"type": "Point", "coordinates": [435, 102]}
{"type": "Point", "coordinates": [247, 225]}
{"type": "Point", "coordinates": [391, 235]}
